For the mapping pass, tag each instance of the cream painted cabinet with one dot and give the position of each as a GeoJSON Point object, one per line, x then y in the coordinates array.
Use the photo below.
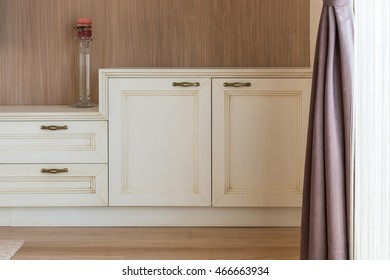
{"type": "Point", "coordinates": [60, 163]}
{"type": "Point", "coordinates": [164, 136]}
{"type": "Point", "coordinates": [185, 147]}
{"type": "Point", "coordinates": [259, 135]}
{"type": "Point", "coordinates": [160, 142]}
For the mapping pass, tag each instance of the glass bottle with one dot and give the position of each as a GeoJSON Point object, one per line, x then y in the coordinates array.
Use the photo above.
{"type": "Point", "coordinates": [84, 36]}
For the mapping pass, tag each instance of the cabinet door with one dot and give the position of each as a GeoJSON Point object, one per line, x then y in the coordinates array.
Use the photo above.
{"type": "Point", "coordinates": [259, 136]}
{"type": "Point", "coordinates": [160, 142]}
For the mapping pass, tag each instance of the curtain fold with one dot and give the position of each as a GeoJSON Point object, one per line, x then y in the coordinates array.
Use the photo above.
{"type": "Point", "coordinates": [326, 193]}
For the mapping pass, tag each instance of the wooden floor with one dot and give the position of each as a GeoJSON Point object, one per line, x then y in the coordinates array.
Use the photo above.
{"type": "Point", "coordinates": [45, 243]}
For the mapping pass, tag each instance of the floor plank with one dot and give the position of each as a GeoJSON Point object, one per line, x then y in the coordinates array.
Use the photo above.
{"type": "Point", "coordinates": [127, 243]}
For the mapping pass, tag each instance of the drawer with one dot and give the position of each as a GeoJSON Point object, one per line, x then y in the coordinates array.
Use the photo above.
{"type": "Point", "coordinates": [25, 185]}
{"type": "Point", "coordinates": [54, 142]}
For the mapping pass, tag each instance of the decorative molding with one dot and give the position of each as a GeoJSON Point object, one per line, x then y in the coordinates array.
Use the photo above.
{"type": "Point", "coordinates": [56, 187]}
{"type": "Point", "coordinates": [195, 96]}
{"type": "Point", "coordinates": [297, 188]}
{"type": "Point", "coordinates": [10, 142]}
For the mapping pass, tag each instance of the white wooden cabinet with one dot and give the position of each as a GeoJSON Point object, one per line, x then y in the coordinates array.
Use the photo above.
{"type": "Point", "coordinates": [161, 141]}
{"type": "Point", "coordinates": [202, 155]}
{"type": "Point", "coordinates": [52, 163]}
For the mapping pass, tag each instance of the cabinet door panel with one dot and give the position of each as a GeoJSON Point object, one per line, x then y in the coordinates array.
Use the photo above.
{"type": "Point", "coordinates": [259, 134]}
{"type": "Point", "coordinates": [160, 143]}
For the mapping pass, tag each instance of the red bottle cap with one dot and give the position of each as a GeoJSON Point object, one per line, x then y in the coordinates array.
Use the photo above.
{"type": "Point", "coordinates": [86, 21]}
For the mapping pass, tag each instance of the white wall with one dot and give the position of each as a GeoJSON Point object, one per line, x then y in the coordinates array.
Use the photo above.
{"type": "Point", "coordinates": [372, 130]}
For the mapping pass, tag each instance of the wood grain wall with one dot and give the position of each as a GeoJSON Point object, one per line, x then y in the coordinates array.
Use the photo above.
{"type": "Point", "coordinates": [38, 58]}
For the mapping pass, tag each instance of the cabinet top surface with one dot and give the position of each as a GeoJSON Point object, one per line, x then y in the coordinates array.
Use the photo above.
{"type": "Point", "coordinates": [209, 72]}
{"type": "Point", "coordinates": [48, 112]}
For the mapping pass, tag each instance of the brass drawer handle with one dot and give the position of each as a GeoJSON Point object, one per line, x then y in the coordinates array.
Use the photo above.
{"type": "Point", "coordinates": [185, 84]}
{"type": "Point", "coordinates": [54, 127]}
{"type": "Point", "coordinates": [54, 171]}
{"type": "Point", "coordinates": [237, 84]}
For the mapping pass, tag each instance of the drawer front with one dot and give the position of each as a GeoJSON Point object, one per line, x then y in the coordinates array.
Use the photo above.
{"type": "Point", "coordinates": [26, 185]}
{"type": "Point", "coordinates": [54, 142]}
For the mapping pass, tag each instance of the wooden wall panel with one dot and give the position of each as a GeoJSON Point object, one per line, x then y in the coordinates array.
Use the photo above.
{"type": "Point", "coordinates": [38, 58]}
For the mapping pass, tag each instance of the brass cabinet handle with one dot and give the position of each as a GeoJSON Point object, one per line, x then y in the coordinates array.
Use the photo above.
{"type": "Point", "coordinates": [54, 171]}
{"type": "Point", "coordinates": [54, 127]}
{"type": "Point", "coordinates": [237, 84]}
{"type": "Point", "coordinates": [186, 84]}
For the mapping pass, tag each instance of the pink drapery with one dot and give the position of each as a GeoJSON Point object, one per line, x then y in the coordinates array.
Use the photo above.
{"type": "Point", "coordinates": [326, 195]}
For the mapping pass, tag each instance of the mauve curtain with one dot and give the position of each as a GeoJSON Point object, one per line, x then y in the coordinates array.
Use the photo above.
{"type": "Point", "coordinates": [325, 212]}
